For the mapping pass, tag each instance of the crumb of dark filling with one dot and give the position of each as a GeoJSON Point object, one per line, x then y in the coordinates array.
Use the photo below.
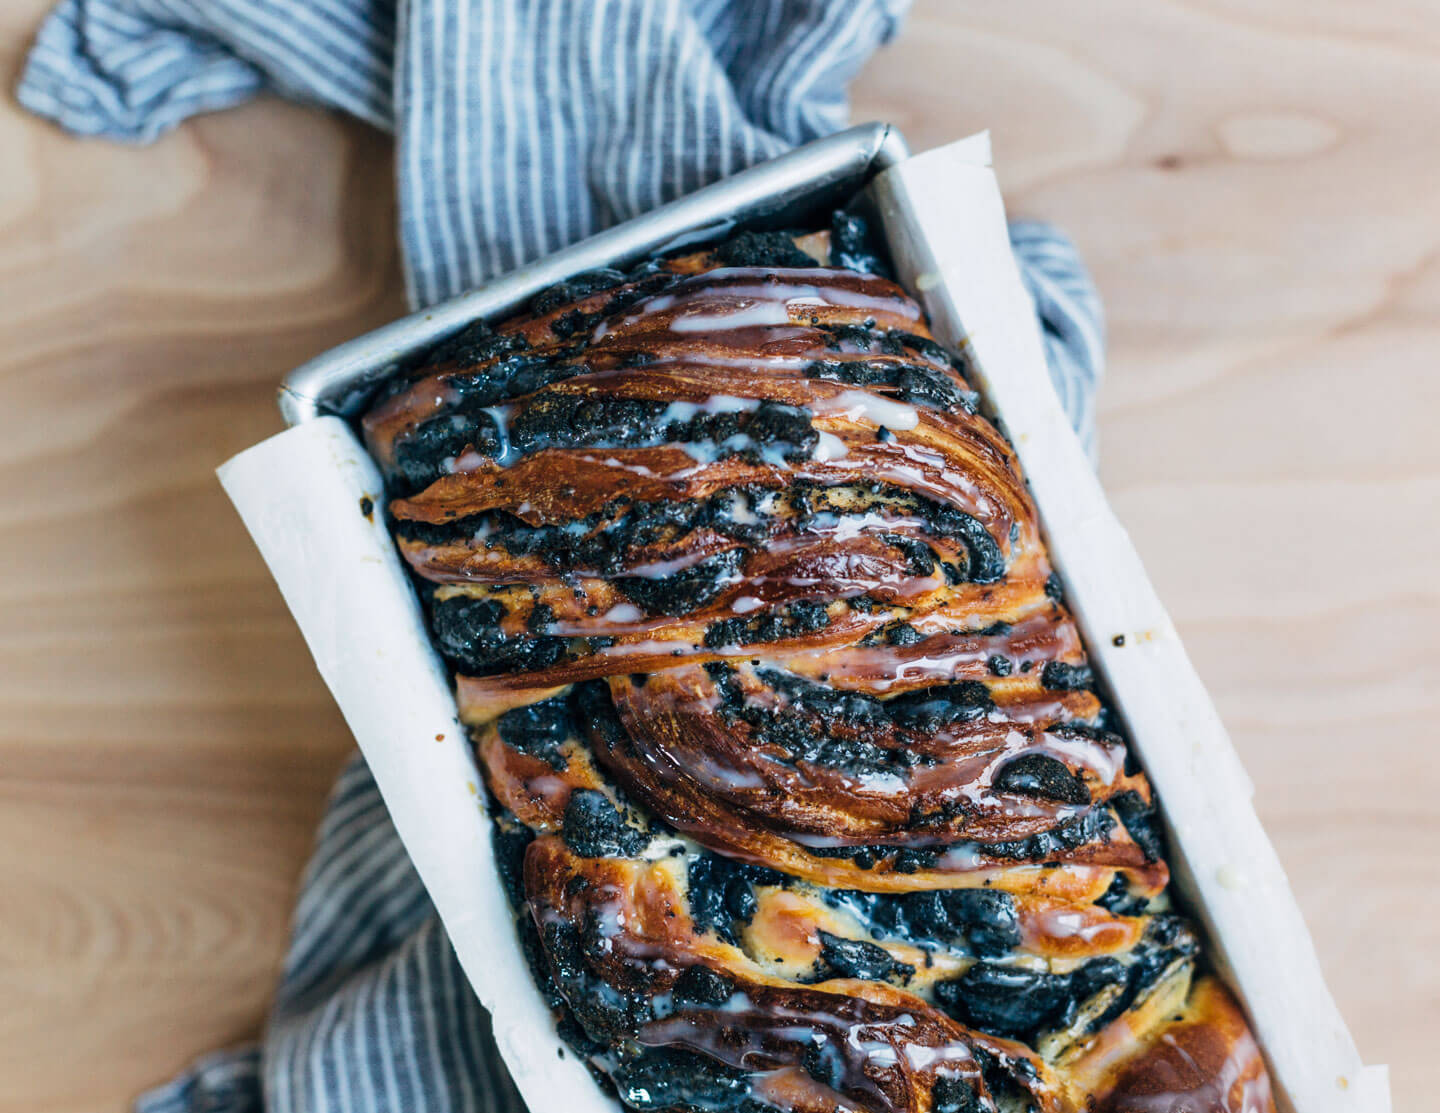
{"type": "Point", "coordinates": [593, 828]}
{"type": "Point", "coordinates": [855, 958]}
{"type": "Point", "coordinates": [761, 249]}
{"type": "Point", "coordinates": [1059, 676]}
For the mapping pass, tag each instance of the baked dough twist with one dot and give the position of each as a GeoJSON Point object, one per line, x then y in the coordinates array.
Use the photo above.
{"type": "Point", "coordinates": [804, 793]}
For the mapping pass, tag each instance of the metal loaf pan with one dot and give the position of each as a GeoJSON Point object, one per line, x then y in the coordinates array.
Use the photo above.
{"type": "Point", "coordinates": [944, 224]}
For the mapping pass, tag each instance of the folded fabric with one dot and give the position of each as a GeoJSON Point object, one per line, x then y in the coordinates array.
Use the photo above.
{"type": "Point", "coordinates": [521, 126]}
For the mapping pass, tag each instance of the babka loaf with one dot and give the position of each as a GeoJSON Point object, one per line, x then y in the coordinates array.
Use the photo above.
{"type": "Point", "coordinates": [803, 792]}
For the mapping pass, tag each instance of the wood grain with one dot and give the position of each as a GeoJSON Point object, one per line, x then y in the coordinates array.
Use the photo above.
{"type": "Point", "coordinates": [1253, 185]}
{"type": "Point", "coordinates": [165, 743]}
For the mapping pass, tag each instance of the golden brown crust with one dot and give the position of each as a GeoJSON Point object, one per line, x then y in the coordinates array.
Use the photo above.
{"type": "Point", "coordinates": [1203, 1057]}
{"type": "Point", "coordinates": [814, 804]}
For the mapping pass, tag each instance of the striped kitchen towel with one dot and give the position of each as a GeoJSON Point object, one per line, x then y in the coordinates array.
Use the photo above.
{"type": "Point", "coordinates": [520, 126]}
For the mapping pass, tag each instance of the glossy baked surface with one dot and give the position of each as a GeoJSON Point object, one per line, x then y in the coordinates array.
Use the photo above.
{"type": "Point", "coordinates": [806, 797]}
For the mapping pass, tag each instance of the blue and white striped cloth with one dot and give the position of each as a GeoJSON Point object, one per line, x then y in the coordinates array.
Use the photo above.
{"type": "Point", "coordinates": [521, 126]}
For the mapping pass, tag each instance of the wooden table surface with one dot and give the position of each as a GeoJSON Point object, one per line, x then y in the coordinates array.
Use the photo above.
{"type": "Point", "coordinates": [1255, 186]}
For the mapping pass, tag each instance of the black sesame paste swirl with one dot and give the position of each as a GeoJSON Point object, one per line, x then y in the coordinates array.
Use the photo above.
{"type": "Point", "coordinates": [804, 794]}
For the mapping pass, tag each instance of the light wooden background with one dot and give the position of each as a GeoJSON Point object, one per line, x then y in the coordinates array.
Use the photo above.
{"type": "Point", "coordinates": [1257, 186]}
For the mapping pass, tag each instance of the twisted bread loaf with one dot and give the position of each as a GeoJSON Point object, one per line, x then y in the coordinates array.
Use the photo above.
{"type": "Point", "coordinates": [804, 794]}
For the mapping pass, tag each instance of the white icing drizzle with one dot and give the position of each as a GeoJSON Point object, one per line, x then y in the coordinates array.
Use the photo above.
{"type": "Point", "coordinates": [714, 404]}
{"type": "Point", "coordinates": [1103, 761]}
{"type": "Point", "coordinates": [507, 453]}
{"type": "Point", "coordinates": [922, 1058]}
{"type": "Point", "coordinates": [1067, 923]}
{"type": "Point", "coordinates": [707, 452]}
{"type": "Point", "coordinates": [749, 314]}
{"type": "Point", "coordinates": [470, 460]}
{"type": "Point", "coordinates": [805, 285]}
{"type": "Point", "coordinates": [962, 858]}
{"type": "Point", "coordinates": [863, 406]}
{"type": "Point", "coordinates": [830, 447]}
{"type": "Point", "coordinates": [750, 361]}
{"type": "Point", "coordinates": [763, 302]}
{"type": "Point", "coordinates": [658, 568]}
